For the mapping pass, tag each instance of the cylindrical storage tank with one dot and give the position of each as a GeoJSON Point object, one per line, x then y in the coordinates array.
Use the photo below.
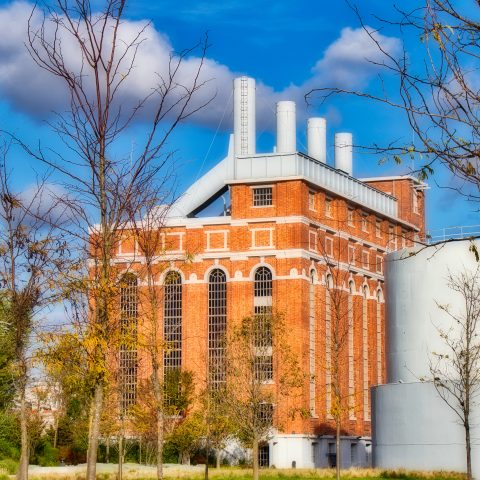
{"type": "Point", "coordinates": [286, 127]}
{"type": "Point", "coordinates": [317, 138]}
{"type": "Point", "coordinates": [412, 426]}
{"type": "Point", "coordinates": [244, 116]}
{"type": "Point", "coordinates": [416, 283]}
{"type": "Point", "coordinates": [343, 152]}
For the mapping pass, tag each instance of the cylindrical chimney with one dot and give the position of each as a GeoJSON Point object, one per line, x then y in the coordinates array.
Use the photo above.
{"type": "Point", "coordinates": [286, 127]}
{"type": "Point", "coordinates": [317, 138]}
{"type": "Point", "coordinates": [343, 152]}
{"type": "Point", "coordinates": [244, 116]}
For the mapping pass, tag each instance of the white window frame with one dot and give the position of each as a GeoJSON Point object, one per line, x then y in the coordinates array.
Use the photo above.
{"type": "Point", "coordinates": [256, 187]}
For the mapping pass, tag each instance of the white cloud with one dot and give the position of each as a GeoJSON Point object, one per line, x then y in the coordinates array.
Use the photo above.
{"type": "Point", "coordinates": [345, 63]}
{"type": "Point", "coordinates": [351, 59]}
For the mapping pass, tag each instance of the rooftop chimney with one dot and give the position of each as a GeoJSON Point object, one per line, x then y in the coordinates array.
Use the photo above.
{"type": "Point", "coordinates": [286, 127]}
{"type": "Point", "coordinates": [343, 152]}
{"type": "Point", "coordinates": [317, 138]}
{"type": "Point", "coordinates": [244, 116]}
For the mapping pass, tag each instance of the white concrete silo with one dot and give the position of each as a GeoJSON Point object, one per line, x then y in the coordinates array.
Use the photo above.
{"type": "Point", "coordinates": [412, 427]}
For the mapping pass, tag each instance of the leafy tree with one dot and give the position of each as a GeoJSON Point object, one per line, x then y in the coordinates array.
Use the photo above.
{"type": "Point", "coordinates": [187, 436]}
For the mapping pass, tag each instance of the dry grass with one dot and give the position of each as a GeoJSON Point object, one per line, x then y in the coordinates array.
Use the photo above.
{"type": "Point", "coordinates": [141, 472]}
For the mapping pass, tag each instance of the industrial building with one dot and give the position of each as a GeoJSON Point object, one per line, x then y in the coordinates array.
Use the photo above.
{"type": "Point", "coordinates": [292, 223]}
{"type": "Point", "coordinates": [413, 427]}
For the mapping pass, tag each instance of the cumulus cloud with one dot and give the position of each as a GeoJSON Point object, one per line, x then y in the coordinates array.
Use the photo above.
{"type": "Point", "coordinates": [346, 63]}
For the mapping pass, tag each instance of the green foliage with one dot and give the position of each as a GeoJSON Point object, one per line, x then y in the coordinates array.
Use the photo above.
{"type": "Point", "coordinates": [187, 435]}
{"type": "Point", "coordinates": [9, 465]}
{"type": "Point", "coordinates": [178, 391]}
{"type": "Point", "coordinates": [7, 355]}
{"type": "Point", "coordinates": [47, 455]}
{"type": "Point", "coordinates": [9, 435]}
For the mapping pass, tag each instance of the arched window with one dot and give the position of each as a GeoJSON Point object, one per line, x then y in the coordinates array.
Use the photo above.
{"type": "Point", "coordinates": [172, 322]}
{"type": "Point", "coordinates": [128, 358]}
{"type": "Point", "coordinates": [262, 303]}
{"type": "Point", "coordinates": [217, 327]}
{"type": "Point", "coordinates": [263, 282]}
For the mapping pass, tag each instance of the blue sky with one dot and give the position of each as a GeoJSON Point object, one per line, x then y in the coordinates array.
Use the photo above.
{"type": "Point", "coordinates": [288, 46]}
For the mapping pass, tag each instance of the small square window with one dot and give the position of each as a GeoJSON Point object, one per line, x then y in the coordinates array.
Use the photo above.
{"type": "Point", "coordinates": [262, 197]}
{"type": "Point", "coordinates": [392, 241]}
{"type": "Point", "coordinates": [312, 240]}
{"type": "Point", "coordinates": [329, 246]}
{"type": "Point", "coordinates": [311, 200]}
{"type": "Point", "coordinates": [364, 222]}
{"type": "Point", "coordinates": [328, 207]}
{"type": "Point", "coordinates": [351, 255]}
{"type": "Point", "coordinates": [365, 259]}
{"type": "Point", "coordinates": [415, 201]}
{"type": "Point", "coordinates": [350, 220]}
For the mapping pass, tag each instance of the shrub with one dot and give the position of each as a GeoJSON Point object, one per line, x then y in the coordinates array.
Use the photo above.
{"type": "Point", "coordinates": [9, 465]}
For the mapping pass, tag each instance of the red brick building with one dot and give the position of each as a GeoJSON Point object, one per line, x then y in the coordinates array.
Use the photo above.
{"type": "Point", "coordinates": [292, 223]}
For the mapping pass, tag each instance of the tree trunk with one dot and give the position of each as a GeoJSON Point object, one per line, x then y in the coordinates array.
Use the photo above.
{"type": "Point", "coordinates": [255, 458]}
{"type": "Point", "coordinates": [94, 433]}
{"type": "Point", "coordinates": [24, 453]}
{"type": "Point", "coordinates": [120, 457]}
{"type": "Point", "coordinates": [140, 450]}
{"type": "Point", "coordinates": [55, 432]}
{"type": "Point", "coordinates": [160, 430]}
{"type": "Point", "coordinates": [337, 450]}
{"type": "Point", "coordinates": [469, 450]}
{"type": "Point", "coordinates": [107, 450]}
{"type": "Point", "coordinates": [218, 451]}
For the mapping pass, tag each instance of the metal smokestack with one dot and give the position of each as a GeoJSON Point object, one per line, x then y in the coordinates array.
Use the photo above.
{"type": "Point", "coordinates": [317, 138]}
{"type": "Point", "coordinates": [244, 116]}
{"type": "Point", "coordinates": [343, 152]}
{"type": "Point", "coordinates": [286, 127]}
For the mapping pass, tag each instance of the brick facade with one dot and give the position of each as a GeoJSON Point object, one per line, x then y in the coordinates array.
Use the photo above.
{"type": "Point", "coordinates": [306, 234]}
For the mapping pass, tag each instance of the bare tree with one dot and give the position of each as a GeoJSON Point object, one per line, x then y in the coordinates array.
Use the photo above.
{"type": "Point", "coordinates": [340, 320]}
{"type": "Point", "coordinates": [106, 188]}
{"type": "Point", "coordinates": [437, 95]}
{"type": "Point", "coordinates": [455, 371]}
{"type": "Point", "coordinates": [33, 257]}
{"type": "Point", "coordinates": [260, 368]}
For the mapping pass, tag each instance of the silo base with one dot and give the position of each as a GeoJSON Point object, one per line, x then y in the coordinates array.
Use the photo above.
{"type": "Point", "coordinates": [414, 429]}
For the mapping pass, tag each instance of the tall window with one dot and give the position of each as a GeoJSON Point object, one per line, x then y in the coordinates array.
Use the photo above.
{"type": "Point", "coordinates": [172, 322]}
{"type": "Point", "coordinates": [217, 327]}
{"type": "Point", "coordinates": [351, 352]}
{"type": "Point", "coordinates": [128, 360]}
{"type": "Point", "coordinates": [263, 324]}
{"type": "Point", "coordinates": [311, 341]}
{"type": "Point", "coordinates": [366, 406]}
{"type": "Point", "coordinates": [328, 343]}
{"type": "Point", "coordinates": [379, 335]}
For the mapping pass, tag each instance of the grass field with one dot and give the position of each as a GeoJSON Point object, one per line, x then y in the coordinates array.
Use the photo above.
{"type": "Point", "coordinates": [141, 472]}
